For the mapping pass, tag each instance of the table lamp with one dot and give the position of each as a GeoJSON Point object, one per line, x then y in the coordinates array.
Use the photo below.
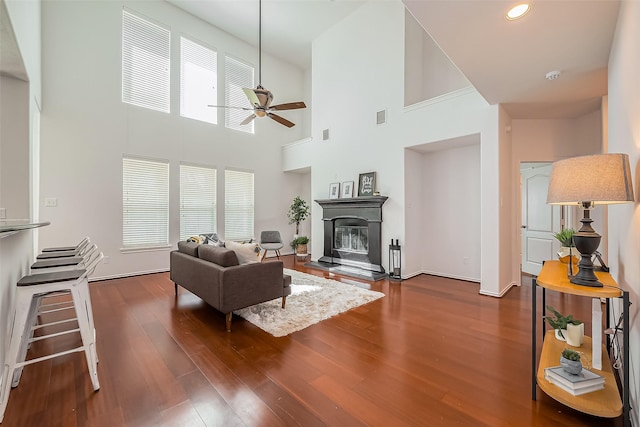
{"type": "Point", "coordinates": [587, 181]}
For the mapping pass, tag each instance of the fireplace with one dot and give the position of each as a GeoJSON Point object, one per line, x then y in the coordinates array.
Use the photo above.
{"type": "Point", "coordinates": [353, 232]}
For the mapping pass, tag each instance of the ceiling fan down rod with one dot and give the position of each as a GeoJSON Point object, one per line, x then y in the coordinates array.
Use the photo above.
{"type": "Point", "coordinates": [260, 43]}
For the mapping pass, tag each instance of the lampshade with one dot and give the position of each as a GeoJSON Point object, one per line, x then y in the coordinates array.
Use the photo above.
{"type": "Point", "coordinates": [601, 179]}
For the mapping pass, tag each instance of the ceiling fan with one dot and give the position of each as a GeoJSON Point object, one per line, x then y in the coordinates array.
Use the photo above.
{"type": "Point", "coordinates": [261, 98]}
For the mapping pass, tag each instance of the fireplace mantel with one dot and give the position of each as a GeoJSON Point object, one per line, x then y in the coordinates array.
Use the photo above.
{"type": "Point", "coordinates": [367, 210]}
{"type": "Point", "coordinates": [353, 202]}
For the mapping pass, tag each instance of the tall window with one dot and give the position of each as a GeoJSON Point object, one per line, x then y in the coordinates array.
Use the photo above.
{"type": "Point", "coordinates": [238, 205]}
{"type": "Point", "coordinates": [238, 75]}
{"type": "Point", "coordinates": [145, 203]}
{"type": "Point", "coordinates": [197, 200]}
{"type": "Point", "coordinates": [198, 81]}
{"type": "Point", "coordinates": [146, 63]}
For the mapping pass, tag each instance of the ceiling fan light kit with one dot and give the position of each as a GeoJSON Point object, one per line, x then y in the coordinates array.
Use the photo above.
{"type": "Point", "coordinates": [261, 98]}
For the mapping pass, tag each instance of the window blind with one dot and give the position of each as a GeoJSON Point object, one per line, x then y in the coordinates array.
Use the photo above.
{"type": "Point", "coordinates": [146, 63]}
{"type": "Point", "coordinates": [197, 201]}
{"type": "Point", "coordinates": [238, 75]}
{"type": "Point", "coordinates": [198, 81]}
{"type": "Point", "coordinates": [238, 205]}
{"type": "Point", "coordinates": [145, 203]}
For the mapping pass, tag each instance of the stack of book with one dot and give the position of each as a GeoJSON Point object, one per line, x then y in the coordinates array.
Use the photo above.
{"type": "Point", "coordinates": [585, 382]}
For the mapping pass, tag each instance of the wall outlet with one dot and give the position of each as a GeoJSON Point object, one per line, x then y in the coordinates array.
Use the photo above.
{"type": "Point", "coordinates": [106, 259]}
{"type": "Point", "coordinates": [465, 260]}
{"type": "Point", "coordinates": [50, 202]}
{"type": "Point", "coordinates": [3, 213]}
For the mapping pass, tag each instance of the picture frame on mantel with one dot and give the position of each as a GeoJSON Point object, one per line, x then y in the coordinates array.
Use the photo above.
{"type": "Point", "coordinates": [366, 184]}
{"type": "Point", "coordinates": [334, 190]}
{"type": "Point", "coordinates": [347, 190]}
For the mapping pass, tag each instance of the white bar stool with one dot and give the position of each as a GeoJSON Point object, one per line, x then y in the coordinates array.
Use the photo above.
{"type": "Point", "coordinates": [84, 242]}
{"type": "Point", "coordinates": [29, 291]}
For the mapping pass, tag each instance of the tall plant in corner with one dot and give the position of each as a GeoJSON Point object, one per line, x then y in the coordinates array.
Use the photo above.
{"type": "Point", "coordinates": [298, 212]}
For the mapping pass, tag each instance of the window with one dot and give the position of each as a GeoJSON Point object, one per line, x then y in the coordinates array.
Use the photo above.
{"type": "Point", "coordinates": [197, 200]}
{"type": "Point", "coordinates": [145, 203]}
{"type": "Point", "coordinates": [238, 205]}
{"type": "Point", "coordinates": [146, 57]}
{"type": "Point", "coordinates": [237, 76]}
{"type": "Point", "coordinates": [198, 81]}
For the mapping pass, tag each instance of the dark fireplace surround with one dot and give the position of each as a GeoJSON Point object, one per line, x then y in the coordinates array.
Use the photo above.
{"type": "Point", "coordinates": [359, 224]}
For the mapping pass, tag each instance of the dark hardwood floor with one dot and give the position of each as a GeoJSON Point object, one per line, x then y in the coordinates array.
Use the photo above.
{"type": "Point", "coordinates": [432, 352]}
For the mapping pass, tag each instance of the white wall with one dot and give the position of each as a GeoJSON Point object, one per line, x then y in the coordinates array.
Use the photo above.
{"type": "Point", "coordinates": [450, 222]}
{"type": "Point", "coordinates": [624, 137]}
{"type": "Point", "coordinates": [86, 129]}
{"type": "Point", "coordinates": [357, 72]}
{"type": "Point", "coordinates": [547, 141]}
{"type": "Point", "coordinates": [18, 106]}
{"type": "Point", "coordinates": [428, 72]}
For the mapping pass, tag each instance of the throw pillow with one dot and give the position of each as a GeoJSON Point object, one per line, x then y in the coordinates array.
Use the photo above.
{"type": "Point", "coordinates": [246, 252]}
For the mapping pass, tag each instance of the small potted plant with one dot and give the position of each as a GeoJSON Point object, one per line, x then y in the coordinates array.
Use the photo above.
{"type": "Point", "coordinates": [560, 322]}
{"type": "Point", "coordinates": [299, 244]}
{"type": "Point", "coordinates": [567, 248]}
{"type": "Point", "coordinates": [570, 361]}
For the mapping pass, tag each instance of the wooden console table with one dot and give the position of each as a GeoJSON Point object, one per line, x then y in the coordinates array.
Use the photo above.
{"type": "Point", "coordinates": [602, 403]}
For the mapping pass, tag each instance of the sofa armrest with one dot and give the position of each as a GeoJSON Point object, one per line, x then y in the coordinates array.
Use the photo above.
{"type": "Point", "coordinates": [250, 284]}
{"type": "Point", "coordinates": [200, 277]}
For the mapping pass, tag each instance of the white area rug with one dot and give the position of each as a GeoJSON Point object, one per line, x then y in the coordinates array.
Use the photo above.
{"type": "Point", "coordinates": [312, 299]}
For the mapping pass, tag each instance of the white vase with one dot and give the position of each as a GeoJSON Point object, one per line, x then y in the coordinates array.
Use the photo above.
{"type": "Point", "coordinates": [565, 253]}
{"type": "Point", "coordinates": [562, 337]}
{"type": "Point", "coordinates": [575, 334]}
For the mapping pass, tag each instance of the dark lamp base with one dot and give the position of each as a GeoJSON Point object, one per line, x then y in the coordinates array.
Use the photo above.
{"type": "Point", "coordinates": [586, 243]}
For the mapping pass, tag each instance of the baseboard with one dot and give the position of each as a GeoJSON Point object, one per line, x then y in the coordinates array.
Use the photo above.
{"type": "Point", "coordinates": [450, 276]}
{"type": "Point", "coordinates": [499, 294]}
{"type": "Point", "coordinates": [123, 275]}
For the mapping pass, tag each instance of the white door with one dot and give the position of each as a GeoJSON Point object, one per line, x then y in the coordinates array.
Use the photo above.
{"type": "Point", "coordinates": [539, 220]}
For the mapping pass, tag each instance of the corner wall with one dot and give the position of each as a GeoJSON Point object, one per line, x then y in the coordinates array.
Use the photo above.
{"type": "Point", "coordinates": [624, 137]}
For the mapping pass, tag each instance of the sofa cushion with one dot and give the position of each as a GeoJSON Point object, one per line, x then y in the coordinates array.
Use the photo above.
{"type": "Point", "coordinates": [221, 256]}
{"type": "Point", "coordinates": [246, 252]}
{"type": "Point", "coordinates": [189, 248]}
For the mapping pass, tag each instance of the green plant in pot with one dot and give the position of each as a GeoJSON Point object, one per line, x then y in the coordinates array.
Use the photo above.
{"type": "Point", "coordinates": [570, 361]}
{"type": "Point", "coordinates": [299, 244]}
{"type": "Point", "coordinates": [298, 212]}
{"type": "Point", "coordinates": [560, 322]}
{"type": "Point", "coordinates": [567, 248]}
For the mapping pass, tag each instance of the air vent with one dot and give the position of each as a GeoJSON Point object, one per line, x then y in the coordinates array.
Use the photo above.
{"type": "Point", "coordinates": [325, 134]}
{"type": "Point", "coordinates": [381, 117]}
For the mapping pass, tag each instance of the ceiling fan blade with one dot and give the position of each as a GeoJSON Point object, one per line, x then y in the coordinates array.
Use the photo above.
{"type": "Point", "coordinates": [227, 106]}
{"type": "Point", "coordinates": [248, 120]}
{"type": "Point", "coordinates": [288, 106]}
{"type": "Point", "coordinates": [253, 98]}
{"type": "Point", "coordinates": [281, 120]}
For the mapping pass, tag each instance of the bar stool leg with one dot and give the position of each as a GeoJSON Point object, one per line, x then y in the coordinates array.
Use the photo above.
{"type": "Point", "coordinates": [86, 296]}
{"type": "Point", "coordinates": [88, 341]}
{"type": "Point", "coordinates": [25, 301]}
{"type": "Point", "coordinates": [19, 331]}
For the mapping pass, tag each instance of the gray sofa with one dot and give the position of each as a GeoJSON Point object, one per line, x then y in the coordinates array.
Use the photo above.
{"type": "Point", "coordinates": [213, 274]}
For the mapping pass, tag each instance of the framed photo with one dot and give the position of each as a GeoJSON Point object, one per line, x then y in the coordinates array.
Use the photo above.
{"type": "Point", "coordinates": [334, 190]}
{"type": "Point", "coordinates": [367, 184]}
{"type": "Point", "coordinates": [347, 190]}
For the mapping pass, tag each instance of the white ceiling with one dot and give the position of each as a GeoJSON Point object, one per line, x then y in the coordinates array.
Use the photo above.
{"type": "Point", "coordinates": [506, 61]}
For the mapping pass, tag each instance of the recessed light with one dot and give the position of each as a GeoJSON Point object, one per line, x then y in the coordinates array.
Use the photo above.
{"type": "Point", "coordinates": [518, 11]}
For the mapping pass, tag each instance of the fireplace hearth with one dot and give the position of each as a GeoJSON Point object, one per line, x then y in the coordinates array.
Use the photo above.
{"type": "Point", "coordinates": [353, 232]}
